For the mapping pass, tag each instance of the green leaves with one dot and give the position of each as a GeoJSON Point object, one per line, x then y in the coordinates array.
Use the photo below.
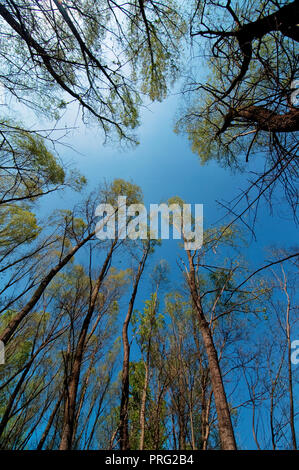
{"type": "Point", "coordinates": [17, 225]}
{"type": "Point", "coordinates": [28, 169]}
{"type": "Point", "coordinates": [34, 152]}
{"type": "Point", "coordinates": [147, 323]}
{"type": "Point", "coordinates": [120, 187]}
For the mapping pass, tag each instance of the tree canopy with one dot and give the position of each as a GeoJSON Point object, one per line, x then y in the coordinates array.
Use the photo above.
{"type": "Point", "coordinates": [121, 343]}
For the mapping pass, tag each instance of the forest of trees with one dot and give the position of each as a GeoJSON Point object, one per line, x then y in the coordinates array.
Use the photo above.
{"type": "Point", "coordinates": [103, 350]}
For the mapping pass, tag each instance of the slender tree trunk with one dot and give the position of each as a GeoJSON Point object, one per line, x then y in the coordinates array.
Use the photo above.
{"type": "Point", "coordinates": [224, 420]}
{"type": "Point", "coordinates": [173, 432]}
{"type": "Point", "coordinates": [291, 397]}
{"type": "Point", "coordinates": [205, 411]}
{"type": "Point", "coordinates": [253, 420]}
{"type": "Point", "coordinates": [13, 396]}
{"type": "Point", "coordinates": [72, 385]}
{"type": "Point", "coordinates": [193, 443]}
{"type": "Point", "coordinates": [274, 384]}
{"type": "Point", "coordinates": [99, 409]}
{"type": "Point", "coordinates": [205, 405]}
{"type": "Point", "coordinates": [271, 419]}
{"type": "Point", "coordinates": [290, 377]}
{"type": "Point", "coordinates": [206, 428]}
{"type": "Point", "coordinates": [181, 399]}
{"type": "Point", "coordinates": [146, 379]}
{"type": "Point", "coordinates": [49, 424]}
{"type": "Point", "coordinates": [160, 394]}
{"type": "Point", "coordinates": [143, 403]}
{"type": "Point", "coordinates": [181, 427]}
{"type": "Point", "coordinates": [226, 432]}
{"type": "Point", "coordinates": [157, 425]}
{"type": "Point", "coordinates": [7, 413]}
{"type": "Point", "coordinates": [14, 323]}
{"type": "Point", "coordinates": [124, 404]}
{"type": "Point", "coordinates": [83, 391]}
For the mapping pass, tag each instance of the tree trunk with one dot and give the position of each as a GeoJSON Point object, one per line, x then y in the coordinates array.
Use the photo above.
{"type": "Point", "coordinates": [226, 432]}
{"type": "Point", "coordinates": [49, 424]}
{"type": "Point", "coordinates": [124, 404]}
{"type": "Point", "coordinates": [142, 406]}
{"type": "Point", "coordinates": [14, 323]}
{"type": "Point", "coordinates": [72, 385]}
{"type": "Point", "coordinates": [290, 377]}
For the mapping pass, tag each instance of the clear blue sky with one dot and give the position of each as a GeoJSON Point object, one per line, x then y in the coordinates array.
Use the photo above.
{"type": "Point", "coordinates": [164, 166]}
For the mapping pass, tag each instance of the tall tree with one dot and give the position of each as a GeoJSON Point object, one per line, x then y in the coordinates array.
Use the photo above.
{"type": "Point", "coordinates": [81, 51]}
{"type": "Point", "coordinates": [244, 107]}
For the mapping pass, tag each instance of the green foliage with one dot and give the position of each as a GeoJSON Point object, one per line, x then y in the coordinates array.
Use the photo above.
{"type": "Point", "coordinates": [17, 225]}
{"type": "Point", "coordinates": [32, 148]}
{"type": "Point", "coordinates": [222, 87]}
{"type": "Point", "coordinates": [154, 41]}
{"type": "Point", "coordinates": [28, 168]}
{"type": "Point", "coordinates": [147, 323]}
{"type": "Point", "coordinates": [120, 187]}
{"type": "Point", "coordinates": [137, 377]}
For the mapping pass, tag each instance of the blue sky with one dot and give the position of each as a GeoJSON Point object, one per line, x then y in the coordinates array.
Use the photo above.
{"type": "Point", "coordinates": [164, 166]}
